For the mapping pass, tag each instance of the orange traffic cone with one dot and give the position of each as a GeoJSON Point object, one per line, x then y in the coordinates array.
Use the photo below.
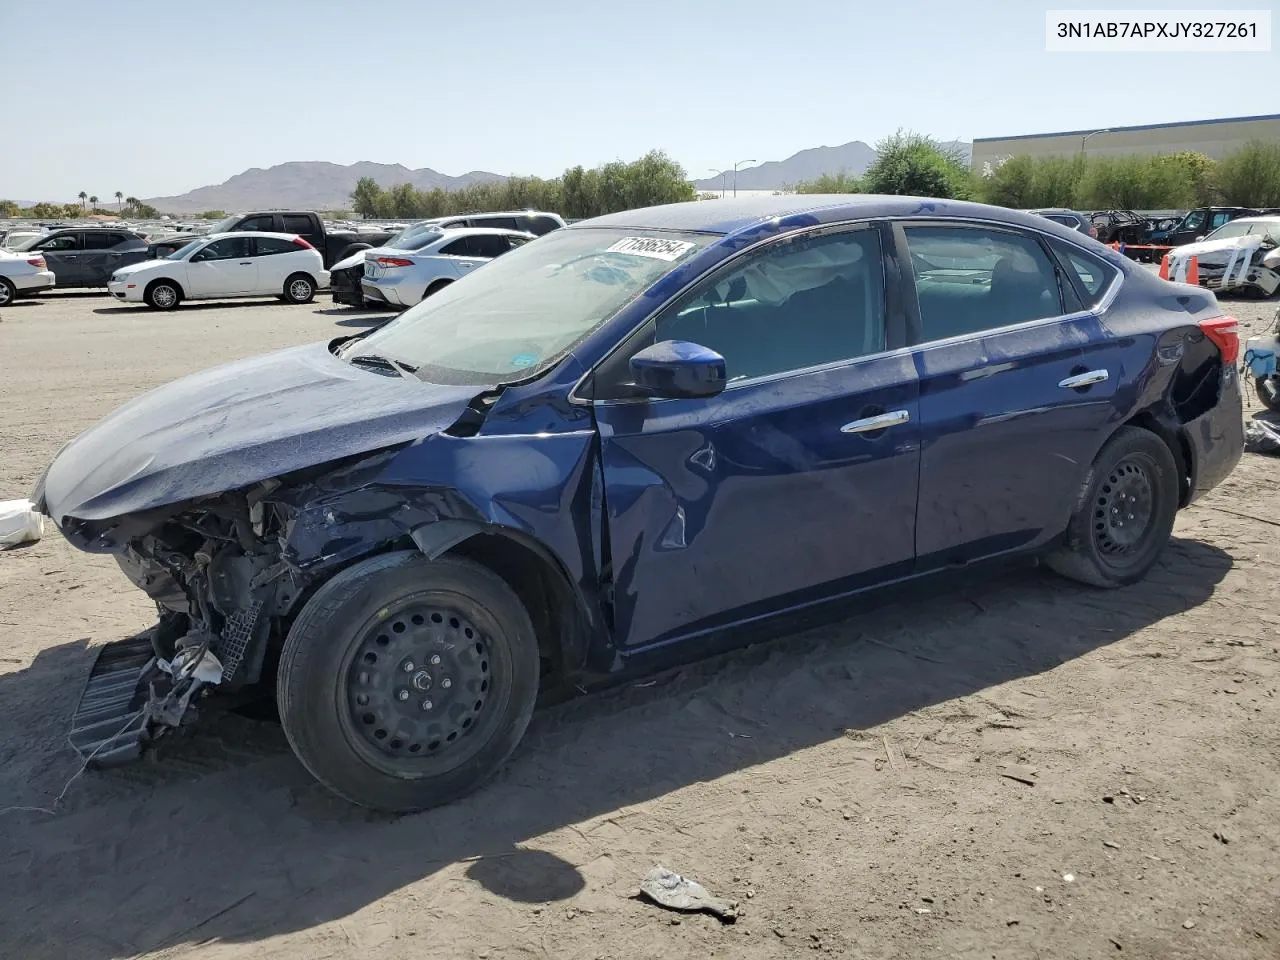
{"type": "Point", "coordinates": [1164, 267]}
{"type": "Point", "coordinates": [1193, 271]}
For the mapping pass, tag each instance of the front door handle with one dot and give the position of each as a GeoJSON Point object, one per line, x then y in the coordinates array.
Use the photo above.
{"type": "Point", "coordinates": [246, 263]}
{"type": "Point", "coordinates": [1086, 379]}
{"type": "Point", "coordinates": [879, 422]}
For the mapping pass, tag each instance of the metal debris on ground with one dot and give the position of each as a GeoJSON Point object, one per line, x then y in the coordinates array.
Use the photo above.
{"type": "Point", "coordinates": [1020, 773]}
{"type": "Point", "coordinates": [668, 889]}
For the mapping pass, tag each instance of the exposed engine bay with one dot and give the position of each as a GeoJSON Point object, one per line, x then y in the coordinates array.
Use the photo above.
{"type": "Point", "coordinates": [227, 573]}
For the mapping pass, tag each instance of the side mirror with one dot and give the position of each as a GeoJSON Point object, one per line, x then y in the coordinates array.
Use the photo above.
{"type": "Point", "coordinates": [678, 369]}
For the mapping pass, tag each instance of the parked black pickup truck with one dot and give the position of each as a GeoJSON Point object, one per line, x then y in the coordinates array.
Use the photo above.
{"type": "Point", "coordinates": [308, 225]}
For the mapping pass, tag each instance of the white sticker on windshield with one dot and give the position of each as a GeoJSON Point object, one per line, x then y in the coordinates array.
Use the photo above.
{"type": "Point", "coordinates": [652, 247]}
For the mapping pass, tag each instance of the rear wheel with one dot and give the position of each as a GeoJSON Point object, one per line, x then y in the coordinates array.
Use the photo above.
{"type": "Point", "coordinates": [1125, 512]}
{"type": "Point", "coordinates": [299, 288]}
{"type": "Point", "coordinates": [162, 295]}
{"type": "Point", "coordinates": [436, 287]}
{"type": "Point", "coordinates": [405, 683]}
{"type": "Point", "coordinates": [8, 292]}
{"type": "Point", "coordinates": [1268, 390]}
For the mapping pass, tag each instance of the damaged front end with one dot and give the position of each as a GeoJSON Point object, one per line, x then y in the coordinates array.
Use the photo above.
{"type": "Point", "coordinates": [227, 574]}
{"type": "Point", "coordinates": [1248, 264]}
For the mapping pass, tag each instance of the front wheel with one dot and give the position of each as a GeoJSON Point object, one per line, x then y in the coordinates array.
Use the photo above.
{"type": "Point", "coordinates": [405, 683]}
{"type": "Point", "coordinates": [299, 288]}
{"type": "Point", "coordinates": [1124, 514]}
{"type": "Point", "coordinates": [8, 292]}
{"type": "Point", "coordinates": [1268, 390]}
{"type": "Point", "coordinates": [162, 295]}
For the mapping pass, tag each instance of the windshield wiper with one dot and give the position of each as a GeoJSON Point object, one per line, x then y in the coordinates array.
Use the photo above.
{"type": "Point", "coordinates": [386, 363]}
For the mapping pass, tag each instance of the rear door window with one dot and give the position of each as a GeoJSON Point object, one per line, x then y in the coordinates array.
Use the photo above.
{"type": "Point", "coordinates": [266, 224]}
{"type": "Point", "coordinates": [1219, 218]}
{"type": "Point", "coordinates": [98, 241]}
{"type": "Point", "coordinates": [970, 278]}
{"type": "Point", "coordinates": [498, 223]}
{"type": "Point", "coordinates": [268, 246]}
{"type": "Point", "coordinates": [538, 225]}
{"type": "Point", "coordinates": [461, 247]}
{"type": "Point", "coordinates": [293, 223]}
{"type": "Point", "coordinates": [489, 245]}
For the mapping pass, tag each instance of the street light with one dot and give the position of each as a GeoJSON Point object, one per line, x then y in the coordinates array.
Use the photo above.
{"type": "Point", "coordinates": [735, 174]}
{"type": "Point", "coordinates": [723, 174]}
{"type": "Point", "coordinates": [1085, 138]}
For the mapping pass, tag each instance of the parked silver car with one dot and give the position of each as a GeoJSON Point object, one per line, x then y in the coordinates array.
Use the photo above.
{"type": "Point", "coordinates": [402, 278]}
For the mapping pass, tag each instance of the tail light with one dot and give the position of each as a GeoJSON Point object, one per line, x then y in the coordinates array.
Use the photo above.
{"type": "Point", "coordinates": [1225, 334]}
{"type": "Point", "coordinates": [394, 262]}
{"type": "Point", "coordinates": [299, 242]}
{"type": "Point", "coordinates": [38, 263]}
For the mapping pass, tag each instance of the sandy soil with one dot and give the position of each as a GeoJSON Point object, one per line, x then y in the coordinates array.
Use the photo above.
{"type": "Point", "coordinates": [845, 784]}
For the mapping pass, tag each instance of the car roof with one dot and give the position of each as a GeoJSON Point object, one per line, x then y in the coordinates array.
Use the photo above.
{"type": "Point", "coordinates": [247, 233]}
{"type": "Point", "coordinates": [482, 232]}
{"type": "Point", "coordinates": [733, 215]}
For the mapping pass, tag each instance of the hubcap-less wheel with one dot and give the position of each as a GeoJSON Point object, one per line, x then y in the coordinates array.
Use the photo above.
{"type": "Point", "coordinates": [1268, 389]}
{"type": "Point", "coordinates": [164, 297]}
{"type": "Point", "coordinates": [417, 686]}
{"type": "Point", "coordinates": [300, 290]}
{"type": "Point", "coordinates": [1123, 510]}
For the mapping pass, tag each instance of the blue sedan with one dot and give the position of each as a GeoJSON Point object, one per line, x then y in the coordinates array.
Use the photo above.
{"type": "Point", "coordinates": [640, 431]}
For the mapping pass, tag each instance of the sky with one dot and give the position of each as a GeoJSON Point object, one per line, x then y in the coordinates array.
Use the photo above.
{"type": "Point", "coordinates": [157, 98]}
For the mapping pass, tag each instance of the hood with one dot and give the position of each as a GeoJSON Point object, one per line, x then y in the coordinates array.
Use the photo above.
{"type": "Point", "coordinates": [140, 267]}
{"type": "Point", "coordinates": [1219, 250]}
{"type": "Point", "coordinates": [234, 425]}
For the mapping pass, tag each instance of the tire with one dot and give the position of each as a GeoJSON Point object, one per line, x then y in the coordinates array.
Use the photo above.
{"type": "Point", "coordinates": [8, 292]}
{"type": "Point", "coordinates": [299, 288]}
{"type": "Point", "coordinates": [1268, 391]}
{"type": "Point", "coordinates": [436, 287]}
{"type": "Point", "coordinates": [1105, 547]}
{"type": "Point", "coordinates": [162, 295]}
{"type": "Point", "coordinates": [436, 633]}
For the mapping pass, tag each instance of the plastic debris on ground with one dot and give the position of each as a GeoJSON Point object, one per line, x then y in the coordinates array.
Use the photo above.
{"type": "Point", "coordinates": [668, 889]}
{"type": "Point", "coordinates": [1261, 437]}
{"type": "Point", "coordinates": [19, 523]}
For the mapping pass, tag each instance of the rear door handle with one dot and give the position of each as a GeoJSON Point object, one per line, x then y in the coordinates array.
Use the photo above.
{"type": "Point", "coordinates": [246, 263]}
{"type": "Point", "coordinates": [879, 422]}
{"type": "Point", "coordinates": [1087, 379]}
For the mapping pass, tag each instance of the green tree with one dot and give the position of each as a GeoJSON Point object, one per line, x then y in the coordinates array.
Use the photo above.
{"type": "Point", "coordinates": [213, 215]}
{"type": "Point", "coordinates": [45, 210]}
{"type": "Point", "coordinates": [70, 210]}
{"type": "Point", "coordinates": [1250, 176]}
{"type": "Point", "coordinates": [1135, 182]}
{"type": "Point", "coordinates": [913, 164]}
{"type": "Point", "coordinates": [83, 197]}
{"type": "Point", "coordinates": [367, 197]}
{"type": "Point", "coordinates": [9, 209]}
{"type": "Point", "coordinates": [119, 200]}
{"type": "Point", "coordinates": [93, 201]}
{"type": "Point", "coordinates": [1200, 171]}
{"type": "Point", "coordinates": [839, 182]}
{"type": "Point", "coordinates": [1011, 184]}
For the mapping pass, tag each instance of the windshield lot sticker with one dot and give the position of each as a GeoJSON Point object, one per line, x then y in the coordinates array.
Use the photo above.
{"type": "Point", "coordinates": [521, 360]}
{"type": "Point", "coordinates": [652, 247]}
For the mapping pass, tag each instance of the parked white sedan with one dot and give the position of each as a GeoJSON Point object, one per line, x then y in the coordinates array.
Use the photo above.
{"type": "Point", "coordinates": [402, 278]}
{"type": "Point", "coordinates": [21, 275]}
{"type": "Point", "coordinates": [225, 265]}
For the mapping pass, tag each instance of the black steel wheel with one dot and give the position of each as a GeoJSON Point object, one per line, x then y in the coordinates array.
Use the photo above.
{"type": "Point", "coordinates": [1124, 513]}
{"type": "Point", "coordinates": [405, 683]}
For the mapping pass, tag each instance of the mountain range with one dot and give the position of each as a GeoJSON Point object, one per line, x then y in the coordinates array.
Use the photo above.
{"type": "Point", "coordinates": [319, 185]}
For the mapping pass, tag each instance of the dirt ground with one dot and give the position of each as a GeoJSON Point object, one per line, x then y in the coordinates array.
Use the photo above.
{"type": "Point", "coordinates": [846, 784]}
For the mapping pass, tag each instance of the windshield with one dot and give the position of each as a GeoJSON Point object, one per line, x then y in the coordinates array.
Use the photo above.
{"type": "Point", "coordinates": [1239, 229]}
{"type": "Point", "coordinates": [182, 252]}
{"type": "Point", "coordinates": [225, 224]}
{"type": "Point", "coordinates": [525, 309]}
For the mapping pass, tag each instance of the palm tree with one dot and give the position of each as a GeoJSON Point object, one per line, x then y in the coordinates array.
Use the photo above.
{"type": "Point", "coordinates": [93, 203]}
{"type": "Point", "coordinates": [119, 199]}
{"type": "Point", "coordinates": [132, 202]}
{"type": "Point", "coordinates": [83, 197]}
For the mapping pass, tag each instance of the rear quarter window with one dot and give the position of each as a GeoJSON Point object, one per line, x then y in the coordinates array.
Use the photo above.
{"type": "Point", "coordinates": [1094, 275]}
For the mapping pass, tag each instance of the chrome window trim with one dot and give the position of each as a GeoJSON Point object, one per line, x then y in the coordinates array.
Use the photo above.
{"type": "Point", "coordinates": [1103, 304]}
